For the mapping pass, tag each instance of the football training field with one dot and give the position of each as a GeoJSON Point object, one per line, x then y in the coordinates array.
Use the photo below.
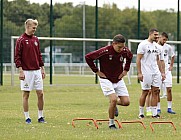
{"type": "Point", "coordinates": [78, 97]}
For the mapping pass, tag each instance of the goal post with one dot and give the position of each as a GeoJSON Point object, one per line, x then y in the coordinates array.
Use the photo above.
{"type": "Point", "coordinates": [172, 43]}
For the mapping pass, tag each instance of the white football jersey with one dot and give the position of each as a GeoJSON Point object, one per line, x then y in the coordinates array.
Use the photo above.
{"type": "Point", "coordinates": [150, 53]}
{"type": "Point", "coordinates": [168, 53]}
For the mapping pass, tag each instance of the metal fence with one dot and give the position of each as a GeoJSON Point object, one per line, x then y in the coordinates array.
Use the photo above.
{"type": "Point", "coordinates": [75, 69]}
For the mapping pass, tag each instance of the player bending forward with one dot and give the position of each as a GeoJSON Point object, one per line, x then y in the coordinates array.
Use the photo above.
{"type": "Point", "coordinates": [111, 73]}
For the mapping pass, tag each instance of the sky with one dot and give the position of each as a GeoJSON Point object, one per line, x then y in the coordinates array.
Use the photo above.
{"type": "Point", "coordinates": [147, 5]}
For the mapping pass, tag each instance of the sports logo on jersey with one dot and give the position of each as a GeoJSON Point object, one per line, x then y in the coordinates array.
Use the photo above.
{"type": "Point", "coordinates": [26, 41]}
{"type": "Point", "coordinates": [121, 59]}
{"type": "Point", "coordinates": [165, 51]}
{"type": "Point", "coordinates": [110, 57]}
{"type": "Point", "coordinates": [153, 51]}
{"type": "Point", "coordinates": [156, 50]}
{"type": "Point", "coordinates": [149, 51]}
{"type": "Point", "coordinates": [36, 44]}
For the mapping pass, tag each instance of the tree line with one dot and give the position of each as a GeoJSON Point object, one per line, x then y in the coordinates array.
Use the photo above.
{"type": "Point", "coordinates": [68, 23]}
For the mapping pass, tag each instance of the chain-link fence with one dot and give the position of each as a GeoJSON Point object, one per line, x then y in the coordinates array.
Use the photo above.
{"type": "Point", "coordinates": [82, 21]}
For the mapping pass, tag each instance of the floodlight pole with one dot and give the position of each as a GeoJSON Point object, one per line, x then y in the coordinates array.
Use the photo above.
{"type": "Point", "coordinates": [1, 46]}
{"type": "Point", "coordinates": [138, 33]}
{"type": "Point", "coordinates": [83, 23]}
{"type": "Point", "coordinates": [178, 48]}
{"type": "Point", "coordinates": [51, 32]}
{"type": "Point", "coordinates": [96, 36]}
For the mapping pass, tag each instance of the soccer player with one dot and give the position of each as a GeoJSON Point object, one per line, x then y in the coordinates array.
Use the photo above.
{"type": "Point", "coordinates": [148, 98]}
{"type": "Point", "coordinates": [28, 60]}
{"type": "Point", "coordinates": [168, 55]}
{"type": "Point", "coordinates": [111, 73]}
{"type": "Point", "coordinates": [149, 67]}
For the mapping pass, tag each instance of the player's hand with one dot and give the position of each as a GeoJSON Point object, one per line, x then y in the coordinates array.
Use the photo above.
{"type": "Point", "coordinates": [163, 76]}
{"type": "Point", "coordinates": [124, 73]}
{"type": "Point", "coordinates": [101, 75]}
{"type": "Point", "coordinates": [21, 75]}
{"type": "Point", "coordinates": [43, 73]}
{"type": "Point", "coordinates": [140, 77]}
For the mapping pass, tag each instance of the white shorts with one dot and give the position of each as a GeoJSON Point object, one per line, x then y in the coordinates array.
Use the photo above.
{"type": "Point", "coordinates": [109, 88]}
{"type": "Point", "coordinates": [33, 80]}
{"type": "Point", "coordinates": [151, 80]}
{"type": "Point", "coordinates": [168, 80]}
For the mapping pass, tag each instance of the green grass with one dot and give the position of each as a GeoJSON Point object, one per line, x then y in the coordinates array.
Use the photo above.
{"type": "Point", "coordinates": [77, 96]}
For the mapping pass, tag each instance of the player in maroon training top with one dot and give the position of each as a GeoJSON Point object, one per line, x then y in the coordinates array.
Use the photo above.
{"type": "Point", "coordinates": [111, 73]}
{"type": "Point", "coordinates": [28, 60]}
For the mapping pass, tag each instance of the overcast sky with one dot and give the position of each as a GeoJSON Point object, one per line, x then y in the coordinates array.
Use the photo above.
{"type": "Point", "coordinates": [147, 5]}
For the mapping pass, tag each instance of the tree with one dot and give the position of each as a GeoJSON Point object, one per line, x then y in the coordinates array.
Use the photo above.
{"type": "Point", "coordinates": [67, 22]}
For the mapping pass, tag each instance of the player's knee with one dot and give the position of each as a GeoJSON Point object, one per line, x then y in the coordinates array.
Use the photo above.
{"type": "Point", "coordinates": [40, 94]}
{"type": "Point", "coordinates": [157, 91]}
{"type": "Point", "coordinates": [25, 95]}
{"type": "Point", "coordinates": [169, 90]}
{"type": "Point", "coordinates": [113, 101]}
{"type": "Point", "coordinates": [126, 103]}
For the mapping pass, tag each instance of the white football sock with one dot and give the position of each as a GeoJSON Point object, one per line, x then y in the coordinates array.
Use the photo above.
{"type": "Point", "coordinates": [154, 110]}
{"type": "Point", "coordinates": [158, 105]}
{"type": "Point", "coordinates": [26, 115]}
{"type": "Point", "coordinates": [141, 108]}
{"type": "Point", "coordinates": [111, 122]}
{"type": "Point", "coordinates": [40, 113]}
{"type": "Point", "coordinates": [169, 104]}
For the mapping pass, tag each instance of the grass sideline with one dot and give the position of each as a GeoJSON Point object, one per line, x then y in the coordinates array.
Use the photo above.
{"type": "Point", "coordinates": [65, 102]}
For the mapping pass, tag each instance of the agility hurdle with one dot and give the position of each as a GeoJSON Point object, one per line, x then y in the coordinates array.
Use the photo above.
{"type": "Point", "coordinates": [91, 119]}
{"type": "Point", "coordinates": [162, 122]}
{"type": "Point", "coordinates": [134, 121]}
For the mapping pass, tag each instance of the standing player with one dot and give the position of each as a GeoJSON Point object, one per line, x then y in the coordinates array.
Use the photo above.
{"type": "Point", "coordinates": [149, 68]}
{"type": "Point", "coordinates": [28, 60]}
{"type": "Point", "coordinates": [111, 73]}
{"type": "Point", "coordinates": [168, 53]}
{"type": "Point", "coordinates": [148, 98]}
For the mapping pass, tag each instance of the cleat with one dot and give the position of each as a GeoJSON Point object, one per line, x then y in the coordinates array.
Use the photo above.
{"type": "Point", "coordinates": [28, 121]}
{"type": "Point", "coordinates": [116, 112]}
{"type": "Point", "coordinates": [149, 113]}
{"type": "Point", "coordinates": [159, 111]}
{"type": "Point", "coordinates": [41, 120]}
{"type": "Point", "coordinates": [141, 116]}
{"type": "Point", "coordinates": [156, 116]}
{"type": "Point", "coordinates": [113, 127]}
{"type": "Point", "coordinates": [170, 111]}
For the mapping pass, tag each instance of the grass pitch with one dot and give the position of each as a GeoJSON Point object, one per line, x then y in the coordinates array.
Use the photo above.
{"type": "Point", "coordinates": [77, 96]}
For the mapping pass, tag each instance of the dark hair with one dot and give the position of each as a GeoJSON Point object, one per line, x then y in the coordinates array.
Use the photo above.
{"type": "Point", "coordinates": [164, 34]}
{"type": "Point", "coordinates": [119, 39]}
{"type": "Point", "coordinates": [153, 30]}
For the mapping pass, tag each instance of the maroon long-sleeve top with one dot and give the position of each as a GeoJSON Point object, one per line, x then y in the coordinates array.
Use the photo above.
{"type": "Point", "coordinates": [27, 53]}
{"type": "Point", "coordinates": [111, 62]}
